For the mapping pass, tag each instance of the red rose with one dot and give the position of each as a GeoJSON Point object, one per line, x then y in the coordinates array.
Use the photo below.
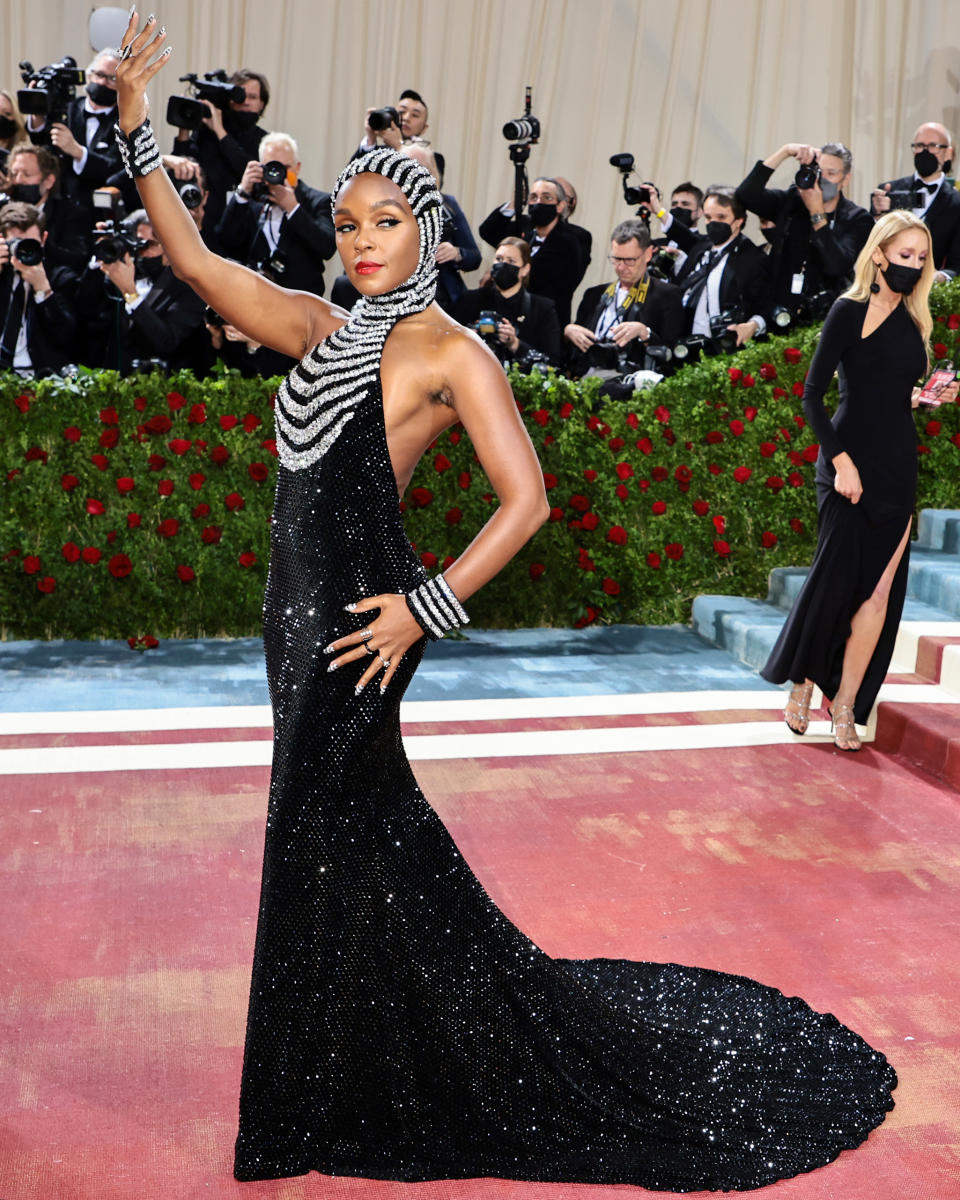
{"type": "Point", "coordinates": [175, 401]}
{"type": "Point", "coordinates": [72, 433]}
{"type": "Point", "coordinates": [624, 470]}
{"type": "Point", "coordinates": [715, 469]}
{"type": "Point", "coordinates": [737, 428]}
{"type": "Point", "coordinates": [95, 508]}
{"type": "Point", "coordinates": [767, 371]}
{"type": "Point", "coordinates": [211, 535]}
{"type": "Point", "coordinates": [653, 560]}
{"type": "Point", "coordinates": [796, 525]}
{"type": "Point", "coordinates": [659, 474]}
{"type": "Point", "coordinates": [258, 471]}
{"type": "Point", "coordinates": [541, 416]}
{"type": "Point", "coordinates": [774, 483]}
{"type": "Point", "coordinates": [46, 585]}
{"type": "Point", "coordinates": [797, 388]}
{"type": "Point", "coordinates": [662, 413]}
{"type": "Point", "coordinates": [428, 559]}
{"type": "Point", "coordinates": [768, 540]}
{"type": "Point", "coordinates": [247, 558]}
{"type": "Point", "coordinates": [234, 501]}
{"type": "Point", "coordinates": [673, 550]}
{"type": "Point", "coordinates": [464, 480]}
{"type": "Point", "coordinates": [768, 449]}
{"type": "Point", "coordinates": [748, 381]}
{"type": "Point", "coordinates": [91, 555]}
{"type": "Point", "coordinates": [720, 523]}
{"type": "Point", "coordinates": [165, 487]}
{"type": "Point", "coordinates": [722, 548]}
{"type": "Point", "coordinates": [120, 566]}
{"type": "Point", "coordinates": [623, 491]}
{"type": "Point", "coordinates": [180, 445]}
{"type": "Point", "coordinates": [448, 562]}
{"type": "Point", "coordinates": [932, 428]}
{"type": "Point", "coordinates": [585, 562]}
{"type": "Point", "coordinates": [70, 551]}
{"type": "Point", "coordinates": [735, 374]}
{"type": "Point", "coordinates": [133, 520]}
{"type": "Point", "coordinates": [169, 527]}
{"type": "Point", "coordinates": [617, 535]}
{"type": "Point", "coordinates": [68, 482]}
{"type": "Point", "coordinates": [441, 463]}
{"type": "Point", "coordinates": [453, 516]}
{"type": "Point", "coordinates": [455, 438]}
{"type": "Point", "coordinates": [420, 497]}
{"type": "Point", "coordinates": [591, 615]}
{"type": "Point", "coordinates": [683, 474]}
{"type": "Point", "coordinates": [658, 508]}
{"type": "Point", "coordinates": [156, 462]}
{"type": "Point", "coordinates": [536, 570]}
{"type": "Point", "coordinates": [22, 402]}
{"type": "Point", "coordinates": [270, 445]}
{"type": "Point", "coordinates": [643, 485]}
{"type": "Point", "coordinates": [219, 455]}
{"type": "Point", "coordinates": [197, 480]}
{"type": "Point", "coordinates": [112, 536]}
{"type": "Point", "coordinates": [251, 422]}
{"type": "Point", "coordinates": [645, 446]}
{"type": "Point", "coordinates": [201, 510]}
{"type": "Point", "coordinates": [197, 415]}
{"type": "Point", "coordinates": [31, 564]}
{"type": "Point", "coordinates": [99, 461]}
{"type": "Point", "coordinates": [795, 479]}
{"type": "Point", "coordinates": [610, 586]}
{"type": "Point", "coordinates": [701, 507]}
{"type": "Point", "coordinates": [149, 641]}
{"type": "Point", "coordinates": [953, 321]}
{"type": "Point", "coordinates": [792, 355]}
{"type": "Point", "coordinates": [956, 440]}
{"type": "Point", "coordinates": [35, 454]}
{"type": "Point", "coordinates": [186, 574]}
{"type": "Point", "coordinates": [140, 403]}
{"type": "Point", "coordinates": [579, 503]}
{"type": "Point", "coordinates": [779, 393]}
{"type": "Point", "coordinates": [714, 437]}
{"type": "Point", "coordinates": [742, 474]}
{"type": "Point", "coordinates": [109, 438]}
{"type": "Point", "coordinates": [616, 443]}
{"type": "Point", "coordinates": [939, 350]}
{"type": "Point", "coordinates": [593, 424]}
{"type": "Point", "coordinates": [590, 521]}
{"type": "Point", "coordinates": [632, 420]}
{"type": "Point", "coordinates": [158, 424]}
{"type": "Point", "coordinates": [669, 436]}
{"type": "Point", "coordinates": [227, 422]}
{"type": "Point", "coordinates": [589, 475]}
{"type": "Point", "coordinates": [811, 452]}
{"type": "Point", "coordinates": [799, 421]}
{"type": "Point", "coordinates": [566, 410]}
{"type": "Point", "coordinates": [556, 514]}
{"type": "Point", "coordinates": [796, 459]}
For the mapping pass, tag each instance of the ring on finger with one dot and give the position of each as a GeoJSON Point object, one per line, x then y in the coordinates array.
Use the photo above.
{"type": "Point", "coordinates": [366, 633]}
{"type": "Point", "coordinates": [385, 661]}
{"type": "Point", "coordinates": [370, 650]}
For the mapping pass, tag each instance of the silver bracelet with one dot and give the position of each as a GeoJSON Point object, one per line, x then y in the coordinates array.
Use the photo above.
{"type": "Point", "coordinates": [139, 150]}
{"type": "Point", "coordinates": [435, 608]}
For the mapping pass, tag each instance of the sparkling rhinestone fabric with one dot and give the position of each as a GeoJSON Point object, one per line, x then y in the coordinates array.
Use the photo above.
{"type": "Point", "coordinates": [400, 1027]}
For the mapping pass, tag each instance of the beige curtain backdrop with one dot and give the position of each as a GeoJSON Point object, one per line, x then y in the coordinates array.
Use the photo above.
{"type": "Point", "coordinates": [692, 88]}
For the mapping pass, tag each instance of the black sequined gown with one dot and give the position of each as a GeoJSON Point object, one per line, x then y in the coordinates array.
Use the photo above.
{"type": "Point", "coordinates": [400, 1026]}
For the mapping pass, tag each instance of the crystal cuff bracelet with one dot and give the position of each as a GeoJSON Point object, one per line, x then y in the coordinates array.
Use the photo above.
{"type": "Point", "coordinates": [139, 150]}
{"type": "Point", "coordinates": [435, 608]}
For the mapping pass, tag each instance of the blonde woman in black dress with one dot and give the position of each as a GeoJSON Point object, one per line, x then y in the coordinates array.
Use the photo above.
{"type": "Point", "coordinates": [841, 632]}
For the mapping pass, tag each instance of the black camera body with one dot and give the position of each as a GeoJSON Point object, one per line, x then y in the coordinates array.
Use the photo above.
{"type": "Point", "coordinates": [724, 339]}
{"type": "Point", "coordinates": [115, 240]}
{"type": "Point", "coordinates": [607, 356]}
{"type": "Point", "coordinates": [382, 118]}
{"type": "Point", "coordinates": [188, 112]}
{"type": "Point", "coordinates": [910, 198]}
{"type": "Point", "coordinates": [525, 130]}
{"type": "Point", "coordinates": [213, 318]}
{"type": "Point", "coordinates": [54, 87]}
{"type": "Point", "coordinates": [640, 196]}
{"type": "Point", "coordinates": [188, 191]}
{"type": "Point", "coordinates": [28, 251]}
{"type": "Point", "coordinates": [807, 176]}
{"type": "Point", "coordinates": [273, 268]}
{"type": "Point", "coordinates": [274, 173]}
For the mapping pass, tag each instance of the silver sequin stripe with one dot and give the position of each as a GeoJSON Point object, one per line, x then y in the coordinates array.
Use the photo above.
{"type": "Point", "coordinates": [140, 152]}
{"type": "Point", "coordinates": [432, 601]}
{"type": "Point", "coordinates": [454, 603]}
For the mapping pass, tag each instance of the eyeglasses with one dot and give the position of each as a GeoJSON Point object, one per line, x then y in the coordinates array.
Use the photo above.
{"type": "Point", "coordinates": [626, 262]}
{"type": "Point", "coordinates": [100, 75]}
{"type": "Point", "coordinates": [929, 146]}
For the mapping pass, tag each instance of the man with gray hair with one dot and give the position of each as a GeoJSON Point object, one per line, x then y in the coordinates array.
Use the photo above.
{"type": "Point", "coordinates": [819, 232]}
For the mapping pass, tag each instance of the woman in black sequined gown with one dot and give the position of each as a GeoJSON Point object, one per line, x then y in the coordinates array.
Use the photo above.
{"type": "Point", "coordinates": [400, 1027]}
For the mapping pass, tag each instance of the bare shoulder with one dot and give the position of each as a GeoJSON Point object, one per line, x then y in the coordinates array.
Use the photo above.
{"type": "Point", "coordinates": [323, 318]}
{"type": "Point", "coordinates": [448, 360]}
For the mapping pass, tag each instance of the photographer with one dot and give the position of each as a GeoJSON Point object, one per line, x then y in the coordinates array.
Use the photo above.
{"type": "Point", "coordinates": [227, 140]}
{"type": "Point", "coordinates": [633, 313]}
{"type": "Point", "coordinates": [512, 321]}
{"type": "Point", "coordinates": [275, 223]}
{"type": "Point", "coordinates": [32, 176]}
{"type": "Point", "coordinates": [726, 279]}
{"type": "Point", "coordinates": [86, 139]}
{"type": "Point", "coordinates": [240, 352]}
{"type": "Point", "coordinates": [394, 127]}
{"type": "Point", "coordinates": [135, 308]}
{"type": "Point", "coordinates": [686, 210]}
{"type": "Point", "coordinates": [819, 232]}
{"type": "Point", "coordinates": [38, 321]}
{"type": "Point", "coordinates": [929, 196]}
{"type": "Point", "coordinates": [557, 259]}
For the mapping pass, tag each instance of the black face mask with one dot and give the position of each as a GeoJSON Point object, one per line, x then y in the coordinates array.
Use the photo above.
{"type": "Point", "coordinates": [683, 215]}
{"type": "Point", "coordinates": [770, 235]}
{"type": "Point", "coordinates": [719, 232]}
{"type": "Point", "coordinates": [240, 121]}
{"type": "Point", "coordinates": [925, 163]}
{"type": "Point", "coordinates": [8, 127]}
{"type": "Point", "coordinates": [901, 279]}
{"type": "Point", "coordinates": [27, 193]}
{"type": "Point", "coordinates": [150, 268]}
{"type": "Point", "coordinates": [541, 214]}
{"type": "Point", "coordinates": [505, 275]}
{"type": "Point", "coordinates": [100, 94]}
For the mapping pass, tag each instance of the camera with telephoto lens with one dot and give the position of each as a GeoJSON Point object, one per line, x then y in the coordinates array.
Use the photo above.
{"type": "Point", "coordinates": [53, 89]}
{"type": "Point", "coordinates": [28, 251]}
{"type": "Point", "coordinates": [188, 112]}
{"type": "Point", "coordinates": [632, 195]}
{"type": "Point", "coordinates": [525, 130]}
{"type": "Point", "coordinates": [114, 240]}
{"type": "Point", "coordinates": [188, 190]}
{"type": "Point", "coordinates": [725, 339]}
{"type": "Point", "coordinates": [382, 118]}
{"type": "Point", "coordinates": [274, 173]}
{"type": "Point", "coordinates": [807, 176]}
{"type": "Point", "coordinates": [273, 268]}
{"type": "Point", "coordinates": [606, 356]}
{"type": "Point", "coordinates": [815, 307]}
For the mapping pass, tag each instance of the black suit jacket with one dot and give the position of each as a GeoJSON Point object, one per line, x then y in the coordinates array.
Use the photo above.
{"type": "Point", "coordinates": [52, 324]}
{"type": "Point", "coordinates": [661, 310]}
{"type": "Point", "coordinates": [69, 234]}
{"type": "Point", "coordinates": [558, 265]}
{"type": "Point", "coordinates": [942, 218]}
{"type": "Point", "coordinates": [103, 157]}
{"type": "Point", "coordinates": [223, 160]}
{"type": "Point", "coordinates": [825, 256]}
{"type": "Point", "coordinates": [745, 283]}
{"type": "Point", "coordinates": [306, 239]}
{"type": "Point", "coordinates": [533, 317]}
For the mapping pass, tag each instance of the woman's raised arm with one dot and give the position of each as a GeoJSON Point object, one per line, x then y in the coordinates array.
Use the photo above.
{"type": "Point", "coordinates": [287, 321]}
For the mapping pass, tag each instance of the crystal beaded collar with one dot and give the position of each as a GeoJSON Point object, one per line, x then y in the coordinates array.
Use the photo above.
{"type": "Point", "coordinates": [322, 393]}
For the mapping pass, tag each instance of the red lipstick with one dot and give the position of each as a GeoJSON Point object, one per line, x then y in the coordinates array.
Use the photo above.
{"type": "Point", "coordinates": [367, 268]}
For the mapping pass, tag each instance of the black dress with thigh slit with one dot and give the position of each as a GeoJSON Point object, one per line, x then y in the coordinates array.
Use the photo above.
{"type": "Point", "coordinates": [874, 425]}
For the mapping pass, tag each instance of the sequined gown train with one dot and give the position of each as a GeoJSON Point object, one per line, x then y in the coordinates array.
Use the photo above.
{"type": "Point", "coordinates": [400, 1027]}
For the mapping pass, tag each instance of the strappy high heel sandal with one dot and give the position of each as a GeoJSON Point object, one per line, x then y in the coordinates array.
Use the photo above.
{"type": "Point", "coordinates": [843, 728]}
{"type": "Point", "coordinates": [797, 717]}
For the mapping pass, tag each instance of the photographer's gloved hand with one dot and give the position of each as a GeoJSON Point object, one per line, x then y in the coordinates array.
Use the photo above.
{"type": "Point", "coordinates": [63, 139]}
{"type": "Point", "coordinates": [627, 331]}
{"type": "Point", "coordinates": [581, 337]}
{"type": "Point", "coordinates": [508, 335]}
{"type": "Point", "coordinates": [744, 331]}
{"type": "Point", "coordinates": [448, 252]}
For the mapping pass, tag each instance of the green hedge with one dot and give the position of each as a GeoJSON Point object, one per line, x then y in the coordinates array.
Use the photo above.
{"type": "Point", "coordinates": [139, 508]}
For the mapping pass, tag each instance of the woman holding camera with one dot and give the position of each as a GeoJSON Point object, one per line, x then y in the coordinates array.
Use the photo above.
{"type": "Point", "coordinates": [841, 632]}
{"type": "Point", "coordinates": [524, 322]}
{"type": "Point", "coordinates": [400, 1027]}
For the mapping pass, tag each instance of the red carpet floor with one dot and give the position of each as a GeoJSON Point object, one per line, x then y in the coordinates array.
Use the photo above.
{"type": "Point", "coordinates": [129, 901]}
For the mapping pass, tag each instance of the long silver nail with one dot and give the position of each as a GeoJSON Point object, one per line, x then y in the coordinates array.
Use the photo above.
{"type": "Point", "coordinates": [133, 7]}
{"type": "Point", "coordinates": [333, 666]}
{"type": "Point", "coordinates": [358, 689]}
{"type": "Point", "coordinates": [349, 608]}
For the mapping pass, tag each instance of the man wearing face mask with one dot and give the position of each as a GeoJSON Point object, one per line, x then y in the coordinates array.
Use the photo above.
{"type": "Point", "coordinates": [33, 173]}
{"type": "Point", "coordinates": [725, 272]}
{"type": "Point", "coordinates": [556, 252]}
{"type": "Point", "coordinates": [929, 196]}
{"type": "Point", "coordinates": [38, 320]}
{"type": "Point", "coordinates": [818, 232]}
{"type": "Point", "coordinates": [86, 141]}
{"type": "Point", "coordinates": [283, 229]}
{"type": "Point", "coordinates": [685, 213]}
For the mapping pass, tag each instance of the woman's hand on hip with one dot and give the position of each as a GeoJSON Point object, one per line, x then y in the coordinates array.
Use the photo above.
{"type": "Point", "coordinates": [382, 642]}
{"type": "Point", "coordinates": [847, 481]}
